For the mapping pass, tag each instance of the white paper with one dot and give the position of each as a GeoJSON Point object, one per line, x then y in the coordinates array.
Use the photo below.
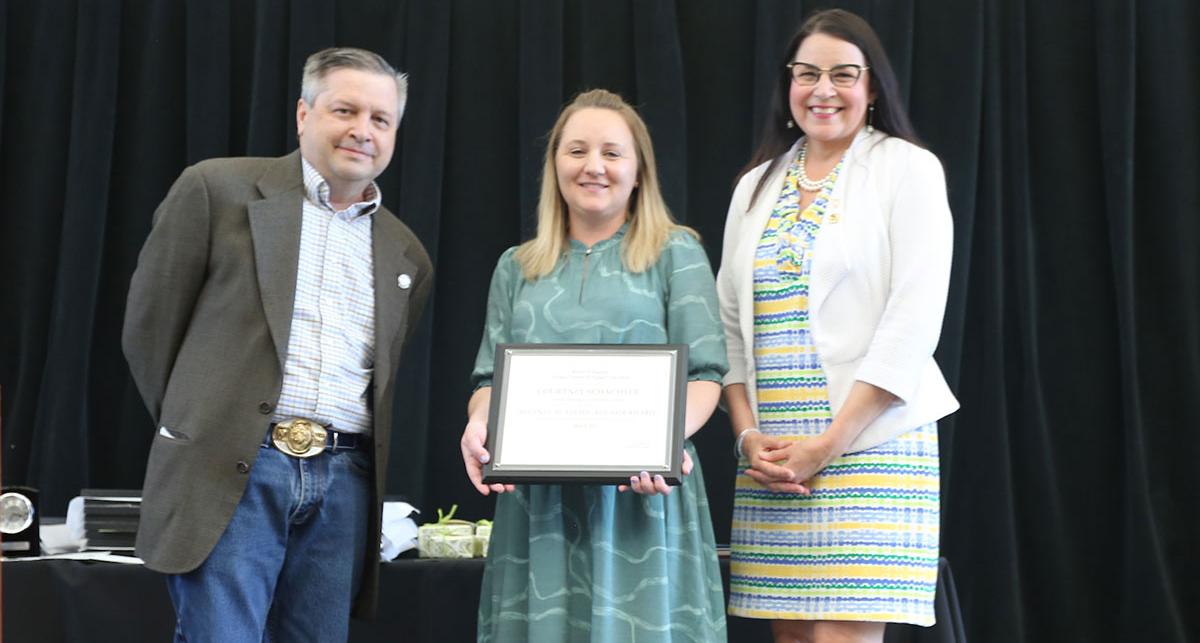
{"type": "Point", "coordinates": [75, 520]}
{"type": "Point", "coordinates": [102, 556]}
{"type": "Point", "coordinates": [58, 539]}
{"type": "Point", "coordinates": [399, 530]}
{"type": "Point", "coordinates": [576, 412]}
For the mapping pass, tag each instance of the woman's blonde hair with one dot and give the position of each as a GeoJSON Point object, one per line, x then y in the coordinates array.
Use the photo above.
{"type": "Point", "coordinates": [650, 222]}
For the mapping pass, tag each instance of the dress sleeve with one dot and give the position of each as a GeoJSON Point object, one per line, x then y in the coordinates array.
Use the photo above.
{"type": "Point", "coordinates": [693, 316]}
{"type": "Point", "coordinates": [498, 327]}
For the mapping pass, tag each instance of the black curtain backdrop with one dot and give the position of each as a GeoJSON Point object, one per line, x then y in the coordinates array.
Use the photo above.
{"type": "Point", "coordinates": [1068, 132]}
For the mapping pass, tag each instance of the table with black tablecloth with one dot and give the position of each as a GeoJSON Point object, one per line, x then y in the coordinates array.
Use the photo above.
{"type": "Point", "coordinates": [50, 601]}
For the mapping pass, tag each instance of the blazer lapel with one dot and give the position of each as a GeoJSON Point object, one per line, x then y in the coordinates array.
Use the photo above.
{"type": "Point", "coordinates": [756, 223]}
{"type": "Point", "coordinates": [830, 264]}
{"type": "Point", "coordinates": [395, 278]}
{"type": "Point", "coordinates": [275, 230]}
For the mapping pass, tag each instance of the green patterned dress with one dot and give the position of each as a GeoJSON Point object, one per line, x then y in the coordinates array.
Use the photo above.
{"type": "Point", "coordinates": [585, 562]}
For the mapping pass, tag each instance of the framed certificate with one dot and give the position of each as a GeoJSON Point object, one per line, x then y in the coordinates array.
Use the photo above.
{"type": "Point", "coordinates": [587, 413]}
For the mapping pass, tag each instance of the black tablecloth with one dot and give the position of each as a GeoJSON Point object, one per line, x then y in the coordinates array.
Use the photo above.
{"type": "Point", "coordinates": [50, 601]}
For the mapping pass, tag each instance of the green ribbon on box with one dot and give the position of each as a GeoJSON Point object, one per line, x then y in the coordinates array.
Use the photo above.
{"type": "Point", "coordinates": [443, 519]}
{"type": "Point", "coordinates": [449, 537]}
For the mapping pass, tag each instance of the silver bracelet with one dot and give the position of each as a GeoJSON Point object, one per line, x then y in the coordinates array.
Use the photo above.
{"type": "Point", "coordinates": [737, 445]}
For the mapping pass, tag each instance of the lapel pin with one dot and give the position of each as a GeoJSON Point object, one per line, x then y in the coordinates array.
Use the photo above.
{"type": "Point", "coordinates": [832, 218]}
{"type": "Point", "coordinates": [404, 281]}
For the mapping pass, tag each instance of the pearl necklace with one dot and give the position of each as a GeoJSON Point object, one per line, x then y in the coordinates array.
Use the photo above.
{"type": "Point", "coordinates": [807, 184]}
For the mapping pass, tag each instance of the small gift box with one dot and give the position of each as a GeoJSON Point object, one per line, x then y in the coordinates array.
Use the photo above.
{"type": "Point", "coordinates": [483, 534]}
{"type": "Point", "coordinates": [446, 538]}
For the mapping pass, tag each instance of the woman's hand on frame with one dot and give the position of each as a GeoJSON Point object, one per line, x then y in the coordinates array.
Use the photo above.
{"type": "Point", "coordinates": [475, 455]}
{"type": "Point", "coordinates": [648, 485]}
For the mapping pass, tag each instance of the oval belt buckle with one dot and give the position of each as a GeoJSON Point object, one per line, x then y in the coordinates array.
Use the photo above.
{"type": "Point", "coordinates": [299, 437]}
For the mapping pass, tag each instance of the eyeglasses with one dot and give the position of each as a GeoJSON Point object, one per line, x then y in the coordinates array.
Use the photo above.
{"type": "Point", "coordinates": [840, 75]}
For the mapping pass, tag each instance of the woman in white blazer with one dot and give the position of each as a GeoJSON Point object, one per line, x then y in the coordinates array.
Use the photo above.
{"type": "Point", "coordinates": [833, 281]}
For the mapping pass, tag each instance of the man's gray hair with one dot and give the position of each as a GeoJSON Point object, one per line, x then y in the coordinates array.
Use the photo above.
{"type": "Point", "coordinates": [327, 60]}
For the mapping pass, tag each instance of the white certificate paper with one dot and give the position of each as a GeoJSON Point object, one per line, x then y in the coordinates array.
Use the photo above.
{"type": "Point", "coordinates": [605, 410]}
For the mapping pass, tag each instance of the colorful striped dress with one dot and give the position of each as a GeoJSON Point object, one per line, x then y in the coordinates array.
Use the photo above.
{"type": "Point", "coordinates": [864, 545]}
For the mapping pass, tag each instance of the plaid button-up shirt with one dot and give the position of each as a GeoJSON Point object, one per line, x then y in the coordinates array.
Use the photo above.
{"type": "Point", "coordinates": [331, 350]}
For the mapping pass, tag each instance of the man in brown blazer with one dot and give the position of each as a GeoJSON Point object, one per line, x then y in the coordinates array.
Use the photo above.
{"type": "Point", "coordinates": [266, 317]}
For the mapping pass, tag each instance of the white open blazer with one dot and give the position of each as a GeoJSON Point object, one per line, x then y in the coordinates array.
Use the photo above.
{"type": "Point", "coordinates": [877, 290]}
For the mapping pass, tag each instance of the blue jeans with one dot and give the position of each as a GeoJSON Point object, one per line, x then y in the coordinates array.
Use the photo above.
{"type": "Point", "coordinates": [289, 563]}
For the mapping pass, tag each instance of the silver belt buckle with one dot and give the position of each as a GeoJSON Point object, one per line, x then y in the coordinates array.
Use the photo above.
{"type": "Point", "coordinates": [299, 437]}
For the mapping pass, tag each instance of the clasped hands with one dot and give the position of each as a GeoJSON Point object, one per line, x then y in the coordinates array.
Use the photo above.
{"type": "Point", "coordinates": [786, 465]}
{"type": "Point", "coordinates": [475, 455]}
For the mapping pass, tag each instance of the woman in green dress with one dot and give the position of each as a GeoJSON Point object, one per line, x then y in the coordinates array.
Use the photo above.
{"type": "Point", "coordinates": [608, 266]}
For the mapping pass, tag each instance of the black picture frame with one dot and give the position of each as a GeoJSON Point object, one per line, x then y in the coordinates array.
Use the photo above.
{"type": "Point", "coordinates": [500, 426]}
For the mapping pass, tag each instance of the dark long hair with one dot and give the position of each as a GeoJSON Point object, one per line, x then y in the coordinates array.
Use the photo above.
{"type": "Point", "coordinates": [890, 116]}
